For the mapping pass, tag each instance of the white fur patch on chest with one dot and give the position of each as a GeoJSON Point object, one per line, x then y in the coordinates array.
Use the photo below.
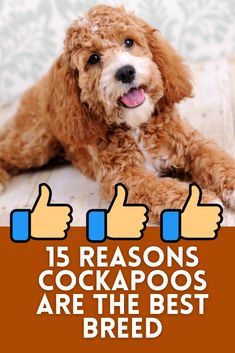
{"type": "Point", "coordinates": [151, 164]}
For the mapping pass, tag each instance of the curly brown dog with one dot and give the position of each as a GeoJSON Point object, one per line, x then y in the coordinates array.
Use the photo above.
{"type": "Point", "coordinates": [109, 102]}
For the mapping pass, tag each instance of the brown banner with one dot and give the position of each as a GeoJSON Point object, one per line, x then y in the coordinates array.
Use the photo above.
{"type": "Point", "coordinates": [23, 330]}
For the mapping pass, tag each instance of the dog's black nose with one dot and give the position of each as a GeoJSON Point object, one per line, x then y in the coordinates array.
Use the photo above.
{"type": "Point", "coordinates": [126, 74]}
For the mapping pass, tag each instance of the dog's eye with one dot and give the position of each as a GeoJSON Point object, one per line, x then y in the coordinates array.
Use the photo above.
{"type": "Point", "coordinates": [128, 43]}
{"type": "Point", "coordinates": [94, 59]}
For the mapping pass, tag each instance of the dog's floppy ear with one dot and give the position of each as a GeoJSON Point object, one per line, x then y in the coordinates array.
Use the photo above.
{"type": "Point", "coordinates": [175, 74]}
{"type": "Point", "coordinates": [67, 116]}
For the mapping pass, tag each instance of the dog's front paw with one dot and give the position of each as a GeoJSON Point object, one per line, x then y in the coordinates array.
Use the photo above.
{"type": "Point", "coordinates": [2, 188]}
{"type": "Point", "coordinates": [4, 179]}
{"type": "Point", "coordinates": [228, 197]}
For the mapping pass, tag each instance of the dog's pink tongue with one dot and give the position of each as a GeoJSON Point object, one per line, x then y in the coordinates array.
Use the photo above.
{"type": "Point", "coordinates": [133, 98]}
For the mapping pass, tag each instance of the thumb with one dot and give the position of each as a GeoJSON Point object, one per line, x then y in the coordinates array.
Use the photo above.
{"type": "Point", "coordinates": [195, 195]}
{"type": "Point", "coordinates": [120, 196]}
{"type": "Point", "coordinates": [44, 196]}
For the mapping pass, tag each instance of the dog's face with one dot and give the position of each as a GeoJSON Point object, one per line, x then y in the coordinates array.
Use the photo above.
{"type": "Point", "coordinates": [119, 76]}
